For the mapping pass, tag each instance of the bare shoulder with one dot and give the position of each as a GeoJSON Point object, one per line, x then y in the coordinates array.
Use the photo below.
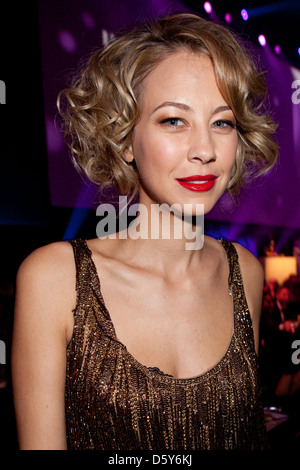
{"type": "Point", "coordinates": [43, 325]}
{"type": "Point", "coordinates": [46, 284]}
{"type": "Point", "coordinates": [49, 270]}
{"type": "Point", "coordinates": [55, 257]}
{"type": "Point", "coordinates": [250, 266]}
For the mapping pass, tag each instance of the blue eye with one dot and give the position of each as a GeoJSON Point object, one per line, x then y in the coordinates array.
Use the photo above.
{"type": "Point", "coordinates": [173, 122]}
{"type": "Point", "coordinates": [223, 123]}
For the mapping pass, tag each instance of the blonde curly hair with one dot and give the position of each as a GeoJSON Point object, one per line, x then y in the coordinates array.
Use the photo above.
{"type": "Point", "coordinates": [101, 107]}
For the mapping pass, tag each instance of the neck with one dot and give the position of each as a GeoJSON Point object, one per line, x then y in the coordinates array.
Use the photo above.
{"type": "Point", "coordinates": [164, 237]}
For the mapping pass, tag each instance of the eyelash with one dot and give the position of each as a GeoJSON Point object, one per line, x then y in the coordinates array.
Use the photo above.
{"type": "Point", "coordinates": [167, 121]}
{"type": "Point", "coordinates": [226, 121]}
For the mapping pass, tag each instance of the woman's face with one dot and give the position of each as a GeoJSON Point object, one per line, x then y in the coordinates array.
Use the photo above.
{"type": "Point", "coordinates": [185, 142]}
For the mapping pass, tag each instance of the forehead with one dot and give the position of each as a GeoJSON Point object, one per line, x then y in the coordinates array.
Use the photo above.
{"type": "Point", "coordinates": [183, 75]}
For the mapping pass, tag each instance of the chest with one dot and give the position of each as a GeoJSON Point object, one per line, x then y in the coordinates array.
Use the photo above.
{"type": "Point", "coordinates": [182, 329]}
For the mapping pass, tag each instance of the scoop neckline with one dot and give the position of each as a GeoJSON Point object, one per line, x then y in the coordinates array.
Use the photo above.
{"type": "Point", "coordinates": [148, 372]}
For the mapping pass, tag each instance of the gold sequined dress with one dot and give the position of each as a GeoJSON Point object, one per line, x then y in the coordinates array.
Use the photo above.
{"type": "Point", "coordinates": [113, 402]}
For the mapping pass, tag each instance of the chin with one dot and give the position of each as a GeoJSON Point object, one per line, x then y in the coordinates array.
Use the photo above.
{"type": "Point", "coordinates": [205, 205]}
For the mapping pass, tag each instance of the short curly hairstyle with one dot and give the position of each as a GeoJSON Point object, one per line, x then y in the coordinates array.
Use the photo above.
{"type": "Point", "coordinates": [101, 107]}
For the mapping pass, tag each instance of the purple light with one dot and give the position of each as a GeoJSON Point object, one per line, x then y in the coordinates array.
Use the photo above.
{"type": "Point", "coordinates": [88, 20]}
{"type": "Point", "coordinates": [244, 14]}
{"type": "Point", "coordinates": [299, 50]}
{"type": "Point", "coordinates": [207, 7]}
{"type": "Point", "coordinates": [67, 41]}
{"type": "Point", "coordinates": [277, 49]}
{"type": "Point", "coordinates": [228, 18]}
{"type": "Point", "coordinates": [262, 40]}
{"type": "Point", "coordinates": [54, 138]}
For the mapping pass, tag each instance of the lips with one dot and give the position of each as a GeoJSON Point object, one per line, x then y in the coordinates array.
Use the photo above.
{"type": "Point", "coordinates": [198, 183]}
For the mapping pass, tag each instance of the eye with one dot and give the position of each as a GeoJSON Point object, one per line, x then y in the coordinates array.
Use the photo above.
{"type": "Point", "coordinates": [172, 122]}
{"type": "Point", "coordinates": [224, 124]}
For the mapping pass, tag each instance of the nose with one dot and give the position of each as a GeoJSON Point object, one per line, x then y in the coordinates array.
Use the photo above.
{"type": "Point", "coordinates": [201, 147]}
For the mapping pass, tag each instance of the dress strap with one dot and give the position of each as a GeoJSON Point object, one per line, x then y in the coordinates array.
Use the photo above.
{"type": "Point", "coordinates": [242, 319]}
{"type": "Point", "coordinates": [87, 281]}
{"type": "Point", "coordinates": [233, 263]}
{"type": "Point", "coordinates": [82, 262]}
{"type": "Point", "coordinates": [89, 296]}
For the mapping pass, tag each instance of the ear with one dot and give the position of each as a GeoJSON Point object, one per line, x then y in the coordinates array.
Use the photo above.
{"type": "Point", "coordinates": [128, 154]}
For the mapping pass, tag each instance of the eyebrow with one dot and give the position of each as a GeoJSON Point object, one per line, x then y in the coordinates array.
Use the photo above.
{"type": "Point", "coordinates": [185, 107]}
{"type": "Point", "coordinates": [220, 109]}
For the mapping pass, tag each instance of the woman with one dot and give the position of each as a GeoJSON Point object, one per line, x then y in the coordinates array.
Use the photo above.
{"type": "Point", "coordinates": [154, 348]}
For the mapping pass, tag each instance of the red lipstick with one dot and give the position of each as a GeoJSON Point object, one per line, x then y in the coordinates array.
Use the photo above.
{"type": "Point", "coordinates": [198, 182]}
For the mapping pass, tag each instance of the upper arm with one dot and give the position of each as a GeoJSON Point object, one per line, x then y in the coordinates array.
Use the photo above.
{"type": "Point", "coordinates": [253, 280]}
{"type": "Point", "coordinates": [44, 299]}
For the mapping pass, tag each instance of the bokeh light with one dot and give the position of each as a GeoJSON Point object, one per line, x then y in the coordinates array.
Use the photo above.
{"type": "Point", "coordinates": [244, 14]}
{"type": "Point", "coordinates": [67, 41]}
{"type": "Point", "coordinates": [207, 7]}
{"type": "Point", "coordinates": [262, 40]}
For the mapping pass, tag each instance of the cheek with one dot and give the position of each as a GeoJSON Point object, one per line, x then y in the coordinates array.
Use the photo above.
{"type": "Point", "coordinates": [228, 151]}
{"type": "Point", "coordinates": [153, 155]}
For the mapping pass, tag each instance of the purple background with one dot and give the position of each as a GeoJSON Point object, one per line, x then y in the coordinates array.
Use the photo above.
{"type": "Point", "coordinates": [70, 33]}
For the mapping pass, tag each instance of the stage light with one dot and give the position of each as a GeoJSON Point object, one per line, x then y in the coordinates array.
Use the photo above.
{"type": "Point", "coordinates": [207, 7]}
{"type": "Point", "coordinates": [299, 50]}
{"type": "Point", "coordinates": [277, 49]}
{"type": "Point", "coordinates": [244, 14]}
{"type": "Point", "coordinates": [228, 18]}
{"type": "Point", "coordinates": [76, 221]}
{"type": "Point", "coordinates": [67, 41]}
{"type": "Point", "coordinates": [262, 40]}
{"type": "Point", "coordinates": [88, 20]}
